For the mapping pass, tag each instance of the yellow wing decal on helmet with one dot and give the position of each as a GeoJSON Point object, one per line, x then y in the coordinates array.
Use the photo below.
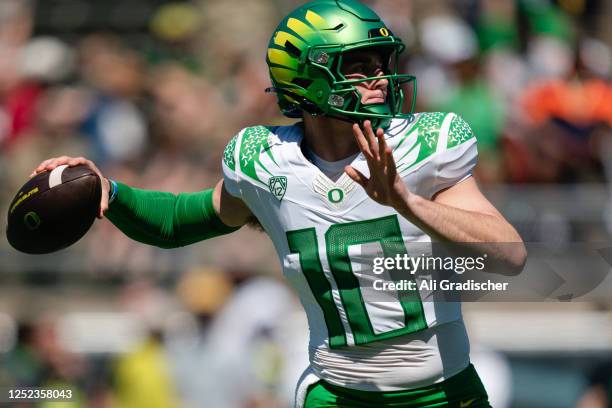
{"type": "Point", "coordinates": [281, 37]}
{"type": "Point", "coordinates": [316, 20]}
{"type": "Point", "coordinates": [285, 60]}
{"type": "Point", "coordinates": [282, 74]}
{"type": "Point", "coordinates": [280, 57]}
{"type": "Point", "coordinates": [300, 28]}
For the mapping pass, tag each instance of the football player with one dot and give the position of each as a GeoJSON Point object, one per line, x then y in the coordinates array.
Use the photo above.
{"type": "Point", "coordinates": [355, 177]}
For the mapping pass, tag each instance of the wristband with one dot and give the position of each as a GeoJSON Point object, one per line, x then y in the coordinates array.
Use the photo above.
{"type": "Point", "coordinates": [113, 190]}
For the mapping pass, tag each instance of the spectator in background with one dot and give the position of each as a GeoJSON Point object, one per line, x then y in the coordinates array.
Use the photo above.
{"type": "Point", "coordinates": [22, 366]}
{"type": "Point", "coordinates": [18, 94]}
{"type": "Point", "coordinates": [177, 26]}
{"type": "Point", "coordinates": [564, 113]}
{"type": "Point", "coordinates": [453, 45]}
{"type": "Point", "coordinates": [264, 360]}
{"type": "Point", "coordinates": [203, 293]}
{"type": "Point", "coordinates": [40, 360]}
{"type": "Point", "coordinates": [189, 114]}
{"type": "Point", "coordinates": [556, 105]}
{"type": "Point", "coordinates": [142, 377]}
{"type": "Point", "coordinates": [115, 122]}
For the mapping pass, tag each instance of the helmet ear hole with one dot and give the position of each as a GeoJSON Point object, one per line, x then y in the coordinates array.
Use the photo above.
{"type": "Point", "coordinates": [292, 49]}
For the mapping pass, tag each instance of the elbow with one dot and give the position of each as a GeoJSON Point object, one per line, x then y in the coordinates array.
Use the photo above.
{"type": "Point", "coordinates": [506, 258]}
{"type": "Point", "coordinates": [512, 257]}
{"type": "Point", "coordinates": [513, 252]}
{"type": "Point", "coordinates": [516, 258]}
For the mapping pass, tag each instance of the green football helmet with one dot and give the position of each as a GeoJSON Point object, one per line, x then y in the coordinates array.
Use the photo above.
{"type": "Point", "coordinates": [305, 57]}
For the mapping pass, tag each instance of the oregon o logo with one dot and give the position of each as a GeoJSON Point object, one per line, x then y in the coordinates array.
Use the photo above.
{"type": "Point", "coordinates": [31, 220]}
{"type": "Point", "coordinates": [384, 32]}
{"type": "Point", "coordinates": [335, 195]}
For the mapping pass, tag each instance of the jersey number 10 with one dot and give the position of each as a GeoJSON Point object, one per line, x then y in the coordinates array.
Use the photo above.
{"type": "Point", "coordinates": [338, 238]}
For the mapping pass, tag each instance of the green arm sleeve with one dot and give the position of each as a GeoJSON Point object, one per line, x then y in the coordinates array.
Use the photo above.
{"type": "Point", "coordinates": [164, 219]}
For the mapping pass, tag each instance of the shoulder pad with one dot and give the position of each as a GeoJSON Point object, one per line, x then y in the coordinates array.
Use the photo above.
{"type": "Point", "coordinates": [251, 143]}
{"type": "Point", "coordinates": [429, 125]}
{"type": "Point", "coordinates": [459, 132]}
{"type": "Point", "coordinates": [420, 140]}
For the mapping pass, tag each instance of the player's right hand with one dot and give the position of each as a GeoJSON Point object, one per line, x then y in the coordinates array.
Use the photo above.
{"type": "Point", "coordinates": [52, 163]}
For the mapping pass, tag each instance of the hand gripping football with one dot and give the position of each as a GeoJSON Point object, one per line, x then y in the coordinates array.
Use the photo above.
{"type": "Point", "coordinates": [53, 210]}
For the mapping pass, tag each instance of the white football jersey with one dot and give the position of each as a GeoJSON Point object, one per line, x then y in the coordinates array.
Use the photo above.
{"type": "Point", "coordinates": [326, 233]}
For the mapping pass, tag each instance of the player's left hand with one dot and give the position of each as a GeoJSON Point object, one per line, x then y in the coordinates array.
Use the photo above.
{"type": "Point", "coordinates": [384, 185]}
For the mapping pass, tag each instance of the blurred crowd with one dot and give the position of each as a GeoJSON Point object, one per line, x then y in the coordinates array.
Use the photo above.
{"type": "Point", "coordinates": [530, 79]}
{"type": "Point", "coordinates": [153, 96]}
{"type": "Point", "coordinates": [152, 90]}
{"type": "Point", "coordinates": [207, 343]}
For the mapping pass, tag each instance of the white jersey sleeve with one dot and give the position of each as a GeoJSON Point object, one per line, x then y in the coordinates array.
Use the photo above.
{"type": "Point", "coordinates": [454, 159]}
{"type": "Point", "coordinates": [231, 180]}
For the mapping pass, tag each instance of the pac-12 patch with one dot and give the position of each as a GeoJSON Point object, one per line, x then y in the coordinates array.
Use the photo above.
{"type": "Point", "coordinates": [278, 186]}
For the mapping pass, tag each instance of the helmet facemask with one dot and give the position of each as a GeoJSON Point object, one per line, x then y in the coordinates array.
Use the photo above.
{"type": "Point", "coordinates": [345, 100]}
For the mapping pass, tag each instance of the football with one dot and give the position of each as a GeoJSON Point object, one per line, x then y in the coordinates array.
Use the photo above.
{"type": "Point", "coordinates": [54, 209]}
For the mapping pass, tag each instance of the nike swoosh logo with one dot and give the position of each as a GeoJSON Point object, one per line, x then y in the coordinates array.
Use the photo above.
{"type": "Point", "coordinates": [464, 404]}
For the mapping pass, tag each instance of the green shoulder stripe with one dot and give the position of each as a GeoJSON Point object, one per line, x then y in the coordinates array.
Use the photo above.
{"type": "Point", "coordinates": [459, 132]}
{"type": "Point", "coordinates": [254, 139]}
{"type": "Point", "coordinates": [428, 132]}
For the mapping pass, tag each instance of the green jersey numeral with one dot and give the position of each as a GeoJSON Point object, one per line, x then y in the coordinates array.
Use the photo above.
{"type": "Point", "coordinates": [338, 238]}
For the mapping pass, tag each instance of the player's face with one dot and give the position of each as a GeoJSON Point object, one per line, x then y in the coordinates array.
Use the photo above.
{"type": "Point", "coordinates": [361, 64]}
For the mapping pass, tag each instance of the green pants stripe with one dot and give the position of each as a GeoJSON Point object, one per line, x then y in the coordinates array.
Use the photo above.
{"type": "Point", "coordinates": [464, 390]}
